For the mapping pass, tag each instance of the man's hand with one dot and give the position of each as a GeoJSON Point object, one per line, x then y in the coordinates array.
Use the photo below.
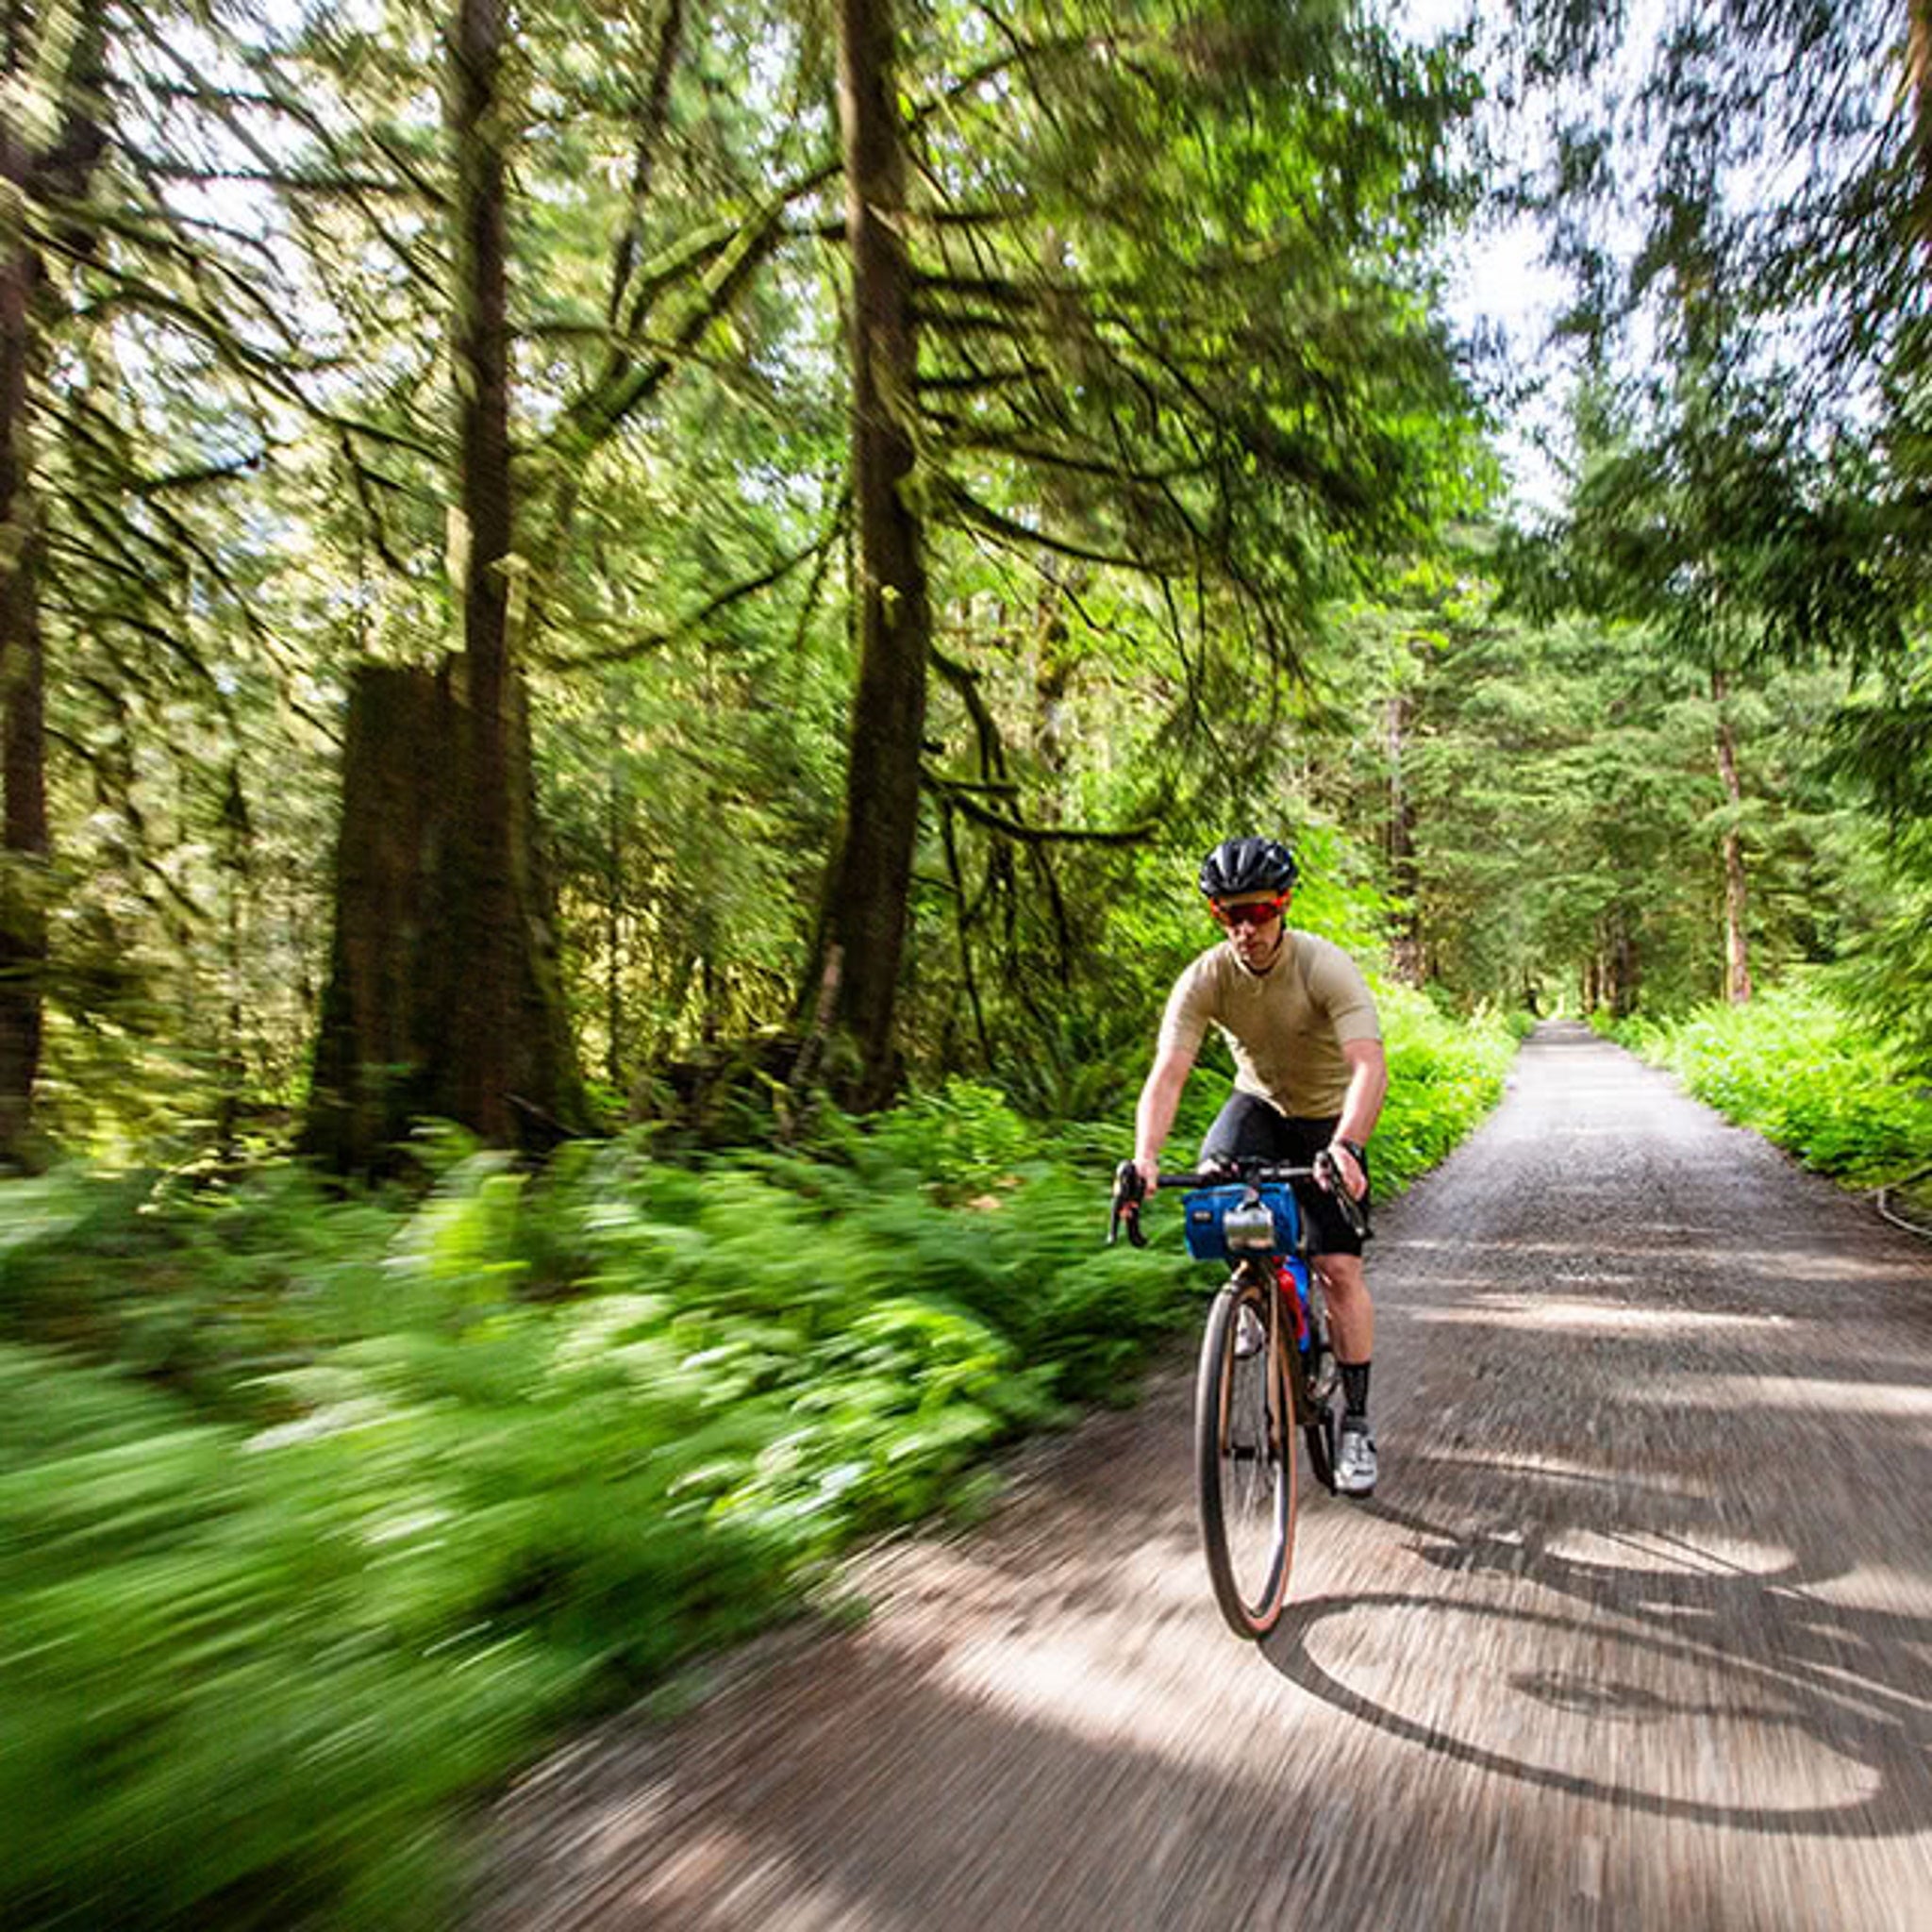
{"type": "Point", "coordinates": [1148, 1167]}
{"type": "Point", "coordinates": [1349, 1168]}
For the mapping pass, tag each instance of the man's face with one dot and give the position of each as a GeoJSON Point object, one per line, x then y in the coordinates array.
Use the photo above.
{"type": "Point", "coordinates": [1253, 925]}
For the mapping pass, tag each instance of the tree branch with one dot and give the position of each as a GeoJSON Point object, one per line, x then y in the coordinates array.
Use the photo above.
{"type": "Point", "coordinates": [620, 654]}
{"type": "Point", "coordinates": [980, 516]}
{"type": "Point", "coordinates": [963, 802]}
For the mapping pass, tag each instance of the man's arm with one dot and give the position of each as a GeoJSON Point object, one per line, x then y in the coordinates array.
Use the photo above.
{"type": "Point", "coordinates": [1362, 1107]}
{"type": "Point", "coordinates": [1159, 1097]}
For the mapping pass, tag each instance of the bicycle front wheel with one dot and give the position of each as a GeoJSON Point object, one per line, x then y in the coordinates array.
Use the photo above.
{"type": "Point", "coordinates": [1243, 1461]}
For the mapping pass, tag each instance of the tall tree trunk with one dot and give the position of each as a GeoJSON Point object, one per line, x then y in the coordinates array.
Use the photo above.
{"type": "Point", "coordinates": [1624, 965]}
{"type": "Point", "coordinates": [385, 1012]}
{"type": "Point", "coordinates": [1737, 942]}
{"type": "Point", "coordinates": [447, 1000]}
{"type": "Point", "coordinates": [615, 803]}
{"type": "Point", "coordinates": [485, 926]}
{"type": "Point", "coordinates": [61, 170]}
{"type": "Point", "coordinates": [870, 882]}
{"type": "Point", "coordinates": [22, 745]}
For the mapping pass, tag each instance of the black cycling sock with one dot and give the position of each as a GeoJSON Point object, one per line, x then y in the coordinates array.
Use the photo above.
{"type": "Point", "coordinates": [1355, 1387]}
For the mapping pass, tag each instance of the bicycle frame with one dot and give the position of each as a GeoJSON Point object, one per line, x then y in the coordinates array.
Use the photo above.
{"type": "Point", "coordinates": [1270, 1278]}
{"type": "Point", "coordinates": [1299, 1314]}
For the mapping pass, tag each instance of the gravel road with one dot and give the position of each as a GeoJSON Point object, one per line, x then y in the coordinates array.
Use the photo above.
{"type": "Point", "coordinates": [1638, 1632]}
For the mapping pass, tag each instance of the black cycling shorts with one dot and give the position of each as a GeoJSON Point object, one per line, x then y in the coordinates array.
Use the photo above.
{"type": "Point", "coordinates": [1248, 1127]}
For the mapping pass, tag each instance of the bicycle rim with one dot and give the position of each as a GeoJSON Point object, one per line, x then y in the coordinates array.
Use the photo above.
{"type": "Point", "coordinates": [1244, 1466]}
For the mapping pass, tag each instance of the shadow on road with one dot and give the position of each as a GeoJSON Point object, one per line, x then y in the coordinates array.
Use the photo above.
{"type": "Point", "coordinates": [1664, 1647]}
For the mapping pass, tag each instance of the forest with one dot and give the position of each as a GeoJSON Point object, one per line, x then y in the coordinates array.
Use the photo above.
{"type": "Point", "coordinates": [621, 630]}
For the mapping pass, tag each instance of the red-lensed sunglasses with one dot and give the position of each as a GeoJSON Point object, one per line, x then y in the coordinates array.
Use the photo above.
{"type": "Point", "coordinates": [1259, 913]}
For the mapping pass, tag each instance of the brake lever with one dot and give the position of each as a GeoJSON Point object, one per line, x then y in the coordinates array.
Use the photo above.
{"type": "Point", "coordinates": [1350, 1208]}
{"type": "Point", "coordinates": [1128, 1193]}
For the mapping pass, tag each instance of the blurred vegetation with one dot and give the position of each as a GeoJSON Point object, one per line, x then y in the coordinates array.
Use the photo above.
{"type": "Point", "coordinates": [1802, 1071]}
{"type": "Point", "coordinates": [322, 1510]}
{"type": "Point", "coordinates": [322, 1513]}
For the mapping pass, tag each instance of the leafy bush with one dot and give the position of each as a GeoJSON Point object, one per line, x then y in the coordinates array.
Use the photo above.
{"type": "Point", "coordinates": [964, 1136]}
{"type": "Point", "coordinates": [1796, 1067]}
{"type": "Point", "coordinates": [1445, 1074]}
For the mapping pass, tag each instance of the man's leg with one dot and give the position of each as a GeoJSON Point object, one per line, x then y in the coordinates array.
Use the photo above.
{"type": "Point", "coordinates": [1247, 1129]}
{"type": "Point", "coordinates": [1351, 1312]}
{"type": "Point", "coordinates": [1338, 1259]}
{"type": "Point", "coordinates": [1351, 1328]}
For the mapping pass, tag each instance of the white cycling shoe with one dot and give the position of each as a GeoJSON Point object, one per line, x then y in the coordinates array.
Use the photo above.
{"type": "Point", "coordinates": [1355, 1459]}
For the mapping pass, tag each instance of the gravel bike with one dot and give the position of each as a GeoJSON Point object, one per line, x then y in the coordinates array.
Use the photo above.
{"type": "Point", "coordinates": [1267, 1369]}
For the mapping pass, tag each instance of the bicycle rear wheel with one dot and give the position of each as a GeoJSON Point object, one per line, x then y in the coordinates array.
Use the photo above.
{"type": "Point", "coordinates": [1245, 1464]}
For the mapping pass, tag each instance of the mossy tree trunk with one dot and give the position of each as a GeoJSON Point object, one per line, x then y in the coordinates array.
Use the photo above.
{"type": "Point", "coordinates": [396, 1041]}
{"type": "Point", "coordinates": [384, 1015]}
{"type": "Point", "coordinates": [1406, 944]}
{"type": "Point", "coordinates": [487, 927]}
{"type": "Point", "coordinates": [444, 996]}
{"type": "Point", "coordinates": [32, 174]}
{"type": "Point", "coordinates": [23, 929]}
{"type": "Point", "coordinates": [1737, 888]}
{"type": "Point", "coordinates": [870, 884]}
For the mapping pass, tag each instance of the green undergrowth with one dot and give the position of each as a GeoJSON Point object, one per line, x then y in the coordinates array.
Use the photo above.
{"type": "Point", "coordinates": [1445, 1073]}
{"type": "Point", "coordinates": [318, 1516]}
{"type": "Point", "coordinates": [1794, 1065]}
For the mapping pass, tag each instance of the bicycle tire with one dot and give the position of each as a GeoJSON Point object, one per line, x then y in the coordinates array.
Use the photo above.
{"type": "Point", "coordinates": [1244, 1465]}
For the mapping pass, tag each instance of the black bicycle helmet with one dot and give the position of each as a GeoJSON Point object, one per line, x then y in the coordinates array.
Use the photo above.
{"type": "Point", "coordinates": [1236, 867]}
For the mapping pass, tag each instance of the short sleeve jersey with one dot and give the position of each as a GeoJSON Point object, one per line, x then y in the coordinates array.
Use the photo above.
{"type": "Point", "coordinates": [1286, 1025]}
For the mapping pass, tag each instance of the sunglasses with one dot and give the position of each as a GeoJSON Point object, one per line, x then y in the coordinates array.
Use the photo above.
{"type": "Point", "coordinates": [1258, 913]}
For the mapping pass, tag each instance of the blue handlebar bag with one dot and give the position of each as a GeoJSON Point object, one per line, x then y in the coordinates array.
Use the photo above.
{"type": "Point", "coordinates": [1205, 1207]}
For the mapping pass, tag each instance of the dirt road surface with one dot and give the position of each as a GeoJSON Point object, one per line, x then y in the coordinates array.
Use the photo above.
{"type": "Point", "coordinates": [1637, 1634]}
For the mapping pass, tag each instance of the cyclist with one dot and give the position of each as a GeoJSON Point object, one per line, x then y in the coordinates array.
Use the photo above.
{"type": "Point", "coordinates": [1309, 1075]}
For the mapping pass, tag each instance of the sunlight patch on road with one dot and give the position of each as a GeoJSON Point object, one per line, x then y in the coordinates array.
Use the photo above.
{"type": "Point", "coordinates": [1148, 1666]}
{"type": "Point", "coordinates": [1573, 1313]}
{"type": "Point", "coordinates": [1752, 1392]}
{"type": "Point", "coordinates": [1879, 1702]}
{"type": "Point", "coordinates": [1880, 1587]}
{"type": "Point", "coordinates": [1523, 1463]}
{"type": "Point", "coordinates": [720, 1878]}
{"type": "Point", "coordinates": [1654, 1552]}
{"type": "Point", "coordinates": [1703, 1247]}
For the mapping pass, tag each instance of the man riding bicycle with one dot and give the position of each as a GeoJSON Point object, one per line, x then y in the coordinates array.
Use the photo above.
{"type": "Point", "coordinates": [1310, 1077]}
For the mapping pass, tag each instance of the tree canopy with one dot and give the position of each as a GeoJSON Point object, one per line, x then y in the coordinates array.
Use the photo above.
{"type": "Point", "coordinates": [538, 354]}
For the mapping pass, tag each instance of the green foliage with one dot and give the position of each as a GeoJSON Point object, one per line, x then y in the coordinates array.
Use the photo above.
{"type": "Point", "coordinates": [372, 1494]}
{"type": "Point", "coordinates": [1794, 1065]}
{"type": "Point", "coordinates": [964, 1136]}
{"type": "Point", "coordinates": [1566, 808]}
{"type": "Point", "coordinates": [1881, 744]}
{"type": "Point", "coordinates": [252, 1658]}
{"type": "Point", "coordinates": [1445, 1074]}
